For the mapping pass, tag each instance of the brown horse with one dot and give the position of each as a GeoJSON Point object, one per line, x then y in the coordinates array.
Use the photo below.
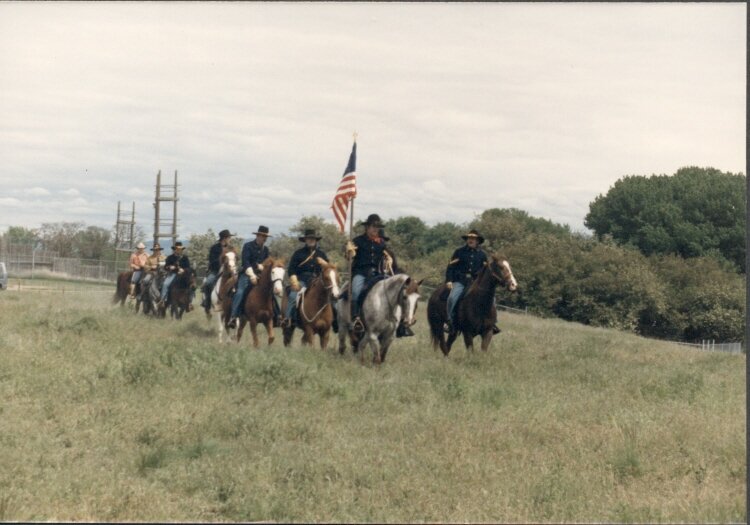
{"type": "Point", "coordinates": [223, 292]}
{"type": "Point", "coordinates": [258, 304]}
{"type": "Point", "coordinates": [475, 313]}
{"type": "Point", "coordinates": [121, 292]}
{"type": "Point", "coordinates": [179, 293]}
{"type": "Point", "coordinates": [314, 309]}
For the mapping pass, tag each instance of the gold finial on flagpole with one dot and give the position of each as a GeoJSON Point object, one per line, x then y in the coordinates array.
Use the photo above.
{"type": "Point", "coordinates": [355, 136]}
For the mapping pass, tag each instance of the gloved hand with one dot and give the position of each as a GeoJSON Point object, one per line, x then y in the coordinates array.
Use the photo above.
{"type": "Point", "coordinates": [260, 267]}
{"type": "Point", "coordinates": [180, 271]}
{"type": "Point", "coordinates": [351, 250]}
{"type": "Point", "coordinates": [251, 274]}
{"type": "Point", "coordinates": [294, 283]}
{"type": "Point", "coordinates": [449, 285]}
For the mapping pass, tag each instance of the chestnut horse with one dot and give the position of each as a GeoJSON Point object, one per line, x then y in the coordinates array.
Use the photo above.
{"type": "Point", "coordinates": [475, 313]}
{"type": "Point", "coordinates": [258, 306]}
{"type": "Point", "coordinates": [123, 283]}
{"type": "Point", "coordinates": [314, 309]}
{"type": "Point", "coordinates": [223, 292]}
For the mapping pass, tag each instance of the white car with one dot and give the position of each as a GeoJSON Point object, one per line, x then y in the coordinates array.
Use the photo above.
{"type": "Point", "coordinates": [3, 277]}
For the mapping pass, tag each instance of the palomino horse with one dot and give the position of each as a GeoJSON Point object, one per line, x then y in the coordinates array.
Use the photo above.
{"type": "Point", "coordinates": [475, 313]}
{"type": "Point", "coordinates": [258, 304]}
{"type": "Point", "coordinates": [314, 309]}
{"type": "Point", "coordinates": [179, 293]}
{"type": "Point", "coordinates": [221, 295]}
{"type": "Point", "coordinates": [390, 302]}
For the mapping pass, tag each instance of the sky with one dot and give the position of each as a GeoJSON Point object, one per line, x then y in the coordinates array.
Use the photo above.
{"type": "Point", "coordinates": [458, 108]}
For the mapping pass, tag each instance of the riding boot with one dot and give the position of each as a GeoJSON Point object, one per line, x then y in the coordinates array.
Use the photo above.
{"type": "Point", "coordinates": [335, 323]}
{"type": "Point", "coordinates": [131, 292]}
{"type": "Point", "coordinates": [495, 329]}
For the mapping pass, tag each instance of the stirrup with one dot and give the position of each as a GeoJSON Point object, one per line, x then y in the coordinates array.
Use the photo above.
{"type": "Point", "coordinates": [495, 329]}
{"type": "Point", "coordinates": [358, 325]}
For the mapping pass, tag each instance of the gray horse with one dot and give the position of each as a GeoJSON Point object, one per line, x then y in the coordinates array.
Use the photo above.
{"type": "Point", "coordinates": [389, 302]}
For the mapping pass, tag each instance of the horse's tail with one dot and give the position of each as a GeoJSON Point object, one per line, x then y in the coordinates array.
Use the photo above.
{"type": "Point", "coordinates": [434, 317]}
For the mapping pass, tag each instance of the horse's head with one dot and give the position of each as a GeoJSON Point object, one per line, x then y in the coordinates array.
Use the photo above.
{"type": "Point", "coordinates": [501, 272]}
{"type": "Point", "coordinates": [330, 277]}
{"type": "Point", "coordinates": [277, 275]}
{"type": "Point", "coordinates": [410, 300]}
{"type": "Point", "coordinates": [229, 261]}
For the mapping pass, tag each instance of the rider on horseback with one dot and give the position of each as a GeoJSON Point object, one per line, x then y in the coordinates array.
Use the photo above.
{"type": "Point", "coordinates": [371, 261]}
{"type": "Point", "coordinates": [303, 267]}
{"type": "Point", "coordinates": [138, 260]}
{"type": "Point", "coordinates": [214, 266]}
{"type": "Point", "coordinates": [253, 254]}
{"type": "Point", "coordinates": [156, 259]}
{"type": "Point", "coordinates": [462, 270]}
{"type": "Point", "coordinates": [175, 264]}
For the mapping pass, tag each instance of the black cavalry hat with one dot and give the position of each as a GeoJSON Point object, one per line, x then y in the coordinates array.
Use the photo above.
{"type": "Point", "coordinates": [475, 234]}
{"type": "Point", "coordinates": [224, 234]}
{"type": "Point", "coordinates": [309, 233]}
{"type": "Point", "coordinates": [155, 247]}
{"type": "Point", "coordinates": [263, 230]}
{"type": "Point", "coordinates": [373, 220]}
{"type": "Point", "coordinates": [178, 244]}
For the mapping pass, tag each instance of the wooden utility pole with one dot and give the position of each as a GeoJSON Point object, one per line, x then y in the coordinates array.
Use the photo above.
{"type": "Point", "coordinates": [165, 193]}
{"type": "Point", "coordinates": [124, 233]}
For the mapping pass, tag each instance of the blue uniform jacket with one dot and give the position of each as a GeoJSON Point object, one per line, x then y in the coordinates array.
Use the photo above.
{"type": "Point", "coordinates": [465, 264]}
{"type": "Point", "coordinates": [369, 256]}
{"type": "Point", "coordinates": [214, 258]}
{"type": "Point", "coordinates": [175, 260]}
{"type": "Point", "coordinates": [253, 255]}
{"type": "Point", "coordinates": [303, 264]}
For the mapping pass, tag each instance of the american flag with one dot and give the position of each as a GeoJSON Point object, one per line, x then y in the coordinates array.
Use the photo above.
{"type": "Point", "coordinates": [346, 191]}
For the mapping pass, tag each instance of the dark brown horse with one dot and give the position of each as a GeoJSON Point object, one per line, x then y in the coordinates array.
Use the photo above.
{"type": "Point", "coordinates": [223, 292]}
{"type": "Point", "coordinates": [258, 304]}
{"type": "Point", "coordinates": [315, 311]}
{"type": "Point", "coordinates": [475, 313]}
{"type": "Point", "coordinates": [179, 293]}
{"type": "Point", "coordinates": [121, 292]}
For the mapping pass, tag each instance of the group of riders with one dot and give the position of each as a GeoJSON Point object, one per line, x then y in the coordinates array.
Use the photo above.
{"type": "Point", "coordinates": [371, 261]}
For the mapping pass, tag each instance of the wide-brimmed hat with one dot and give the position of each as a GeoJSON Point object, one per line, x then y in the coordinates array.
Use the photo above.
{"type": "Point", "coordinates": [140, 246]}
{"type": "Point", "coordinates": [263, 230]}
{"type": "Point", "coordinates": [155, 247]}
{"type": "Point", "coordinates": [474, 234]}
{"type": "Point", "coordinates": [381, 232]}
{"type": "Point", "coordinates": [224, 234]}
{"type": "Point", "coordinates": [373, 220]}
{"type": "Point", "coordinates": [309, 233]}
{"type": "Point", "coordinates": [176, 245]}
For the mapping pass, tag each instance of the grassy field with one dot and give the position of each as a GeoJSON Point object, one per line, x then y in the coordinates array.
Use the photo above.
{"type": "Point", "coordinates": [108, 416]}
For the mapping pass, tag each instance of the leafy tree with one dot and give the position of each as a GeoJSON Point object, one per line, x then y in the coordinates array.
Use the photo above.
{"type": "Point", "coordinates": [442, 236]}
{"type": "Point", "coordinates": [502, 227]}
{"type": "Point", "coordinates": [697, 211]}
{"type": "Point", "coordinates": [59, 237]}
{"type": "Point", "coordinates": [21, 235]}
{"type": "Point", "coordinates": [91, 243]}
{"type": "Point", "coordinates": [332, 241]}
{"type": "Point", "coordinates": [407, 235]}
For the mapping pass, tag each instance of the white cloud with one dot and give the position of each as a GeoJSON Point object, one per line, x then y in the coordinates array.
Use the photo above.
{"type": "Point", "coordinates": [70, 192]}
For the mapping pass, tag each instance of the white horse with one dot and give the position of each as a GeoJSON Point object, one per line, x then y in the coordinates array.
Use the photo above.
{"type": "Point", "coordinates": [221, 300]}
{"type": "Point", "coordinates": [390, 302]}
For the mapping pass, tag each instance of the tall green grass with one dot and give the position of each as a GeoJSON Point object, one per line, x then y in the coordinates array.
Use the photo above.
{"type": "Point", "coordinates": [109, 416]}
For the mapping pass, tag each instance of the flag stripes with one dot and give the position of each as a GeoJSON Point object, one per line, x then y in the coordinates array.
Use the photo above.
{"type": "Point", "coordinates": [346, 191]}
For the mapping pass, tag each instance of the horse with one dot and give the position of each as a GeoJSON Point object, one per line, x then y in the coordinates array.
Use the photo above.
{"type": "Point", "coordinates": [122, 285]}
{"type": "Point", "coordinates": [314, 310]}
{"type": "Point", "coordinates": [221, 295]}
{"type": "Point", "coordinates": [225, 250]}
{"type": "Point", "coordinates": [391, 301]}
{"type": "Point", "coordinates": [151, 292]}
{"type": "Point", "coordinates": [179, 293]}
{"type": "Point", "coordinates": [475, 313]}
{"type": "Point", "coordinates": [258, 306]}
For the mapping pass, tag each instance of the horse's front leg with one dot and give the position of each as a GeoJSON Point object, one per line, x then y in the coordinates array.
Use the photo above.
{"type": "Point", "coordinates": [309, 337]}
{"type": "Point", "coordinates": [254, 332]}
{"type": "Point", "coordinates": [486, 339]}
{"type": "Point", "coordinates": [269, 329]}
{"type": "Point", "coordinates": [241, 328]}
{"type": "Point", "coordinates": [324, 335]}
{"type": "Point", "coordinates": [469, 341]}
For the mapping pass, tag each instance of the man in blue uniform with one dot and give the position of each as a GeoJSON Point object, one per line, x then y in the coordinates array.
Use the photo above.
{"type": "Point", "coordinates": [253, 254]}
{"type": "Point", "coordinates": [214, 266]}
{"type": "Point", "coordinates": [176, 263]}
{"type": "Point", "coordinates": [371, 261]}
{"type": "Point", "coordinates": [303, 267]}
{"type": "Point", "coordinates": [462, 270]}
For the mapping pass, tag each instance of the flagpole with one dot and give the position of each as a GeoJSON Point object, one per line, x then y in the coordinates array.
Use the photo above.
{"type": "Point", "coordinates": [351, 227]}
